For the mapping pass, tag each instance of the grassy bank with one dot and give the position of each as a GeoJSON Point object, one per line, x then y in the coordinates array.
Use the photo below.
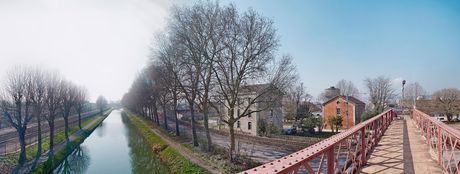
{"type": "Point", "coordinates": [173, 159]}
{"type": "Point", "coordinates": [61, 154]}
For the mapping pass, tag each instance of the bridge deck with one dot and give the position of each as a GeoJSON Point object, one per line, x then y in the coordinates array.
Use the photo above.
{"type": "Point", "coordinates": [401, 150]}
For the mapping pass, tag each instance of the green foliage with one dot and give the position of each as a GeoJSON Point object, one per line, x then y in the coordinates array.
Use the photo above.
{"type": "Point", "coordinates": [308, 124]}
{"type": "Point", "coordinates": [335, 121]}
{"type": "Point", "coordinates": [265, 129]}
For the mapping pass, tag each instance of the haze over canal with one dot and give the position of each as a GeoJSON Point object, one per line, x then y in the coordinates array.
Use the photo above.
{"type": "Point", "coordinates": [114, 147]}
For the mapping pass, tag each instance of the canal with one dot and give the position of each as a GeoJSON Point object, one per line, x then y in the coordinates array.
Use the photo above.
{"type": "Point", "coordinates": [114, 147]}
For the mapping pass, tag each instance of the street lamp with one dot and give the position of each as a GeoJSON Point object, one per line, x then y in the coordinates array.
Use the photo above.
{"type": "Point", "coordinates": [402, 100]}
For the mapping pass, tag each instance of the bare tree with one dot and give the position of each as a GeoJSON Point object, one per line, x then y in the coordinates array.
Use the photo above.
{"type": "Point", "coordinates": [101, 103]}
{"type": "Point", "coordinates": [347, 88]}
{"type": "Point", "coordinates": [250, 44]}
{"type": "Point", "coordinates": [448, 100]}
{"type": "Point", "coordinates": [380, 92]}
{"type": "Point", "coordinates": [169, 55]}
{"type": "Point", "coordinates": [53, 81]}
{"type": "Point", "coordinates": [68, 94]}
{"type": "Point", "coordinates": [16, 103]}
{"type": "Point", "coordinates": [38, 103]}
{"type": "Point", "coordinates": [80, 101]}
{"type": "Point", "coordinates": [412, 92]}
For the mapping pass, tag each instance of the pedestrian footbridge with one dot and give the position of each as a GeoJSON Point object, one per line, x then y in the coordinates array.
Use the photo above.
{"type": "Point", "coordinates": [387, 143]}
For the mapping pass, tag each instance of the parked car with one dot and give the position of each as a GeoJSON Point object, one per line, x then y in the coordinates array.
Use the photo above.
{"type": "Point", "coordinates": [291, 131]}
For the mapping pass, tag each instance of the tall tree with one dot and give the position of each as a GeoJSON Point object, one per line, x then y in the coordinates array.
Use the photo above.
{"type": "Point", "coordinates": [380, 92]}
{"type": "Point", "coordinates": [250, 44]}
{"type": "Point", "coordinates": [68, 95]}
{"type": "Point", "coordinates": [169, 55]}
{"type": "Point", "coordinates": [448, 100]}
{"type": "Point", "coordinates": [38, 103]}
{"type": "Point", "coordinates": [80, 101]}
{"type": "Point", "coordinates": [53, 103]}
{"type": "Point", "coordinates": [16, 104]}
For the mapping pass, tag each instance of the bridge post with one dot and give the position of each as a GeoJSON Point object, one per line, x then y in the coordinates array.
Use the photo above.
{"type": "Point", "coordinates": [439, 146]}
{"type": "Point", "coordinates": [363, 146]}
{"type": "Point", "coordinates": [330, 160]}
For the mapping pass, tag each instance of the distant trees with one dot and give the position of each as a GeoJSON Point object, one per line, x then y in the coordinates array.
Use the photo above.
{"type": "Point", "coordinates": [411, 92]}
{"type": "Point", "coordinates": [347, 88]}
{"type": "Point", "coordinates": [447, 99]}
{"type": "Point", "coordinates": [380, 92]}
{"type": "Point", "coordinates": [30, 92]}
{"type": "Point", "coordinates": [101, 104]}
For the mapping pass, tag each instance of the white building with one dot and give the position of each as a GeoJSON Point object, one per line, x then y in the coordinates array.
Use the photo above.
{"type": "Point", "coordinates": [270, 114]}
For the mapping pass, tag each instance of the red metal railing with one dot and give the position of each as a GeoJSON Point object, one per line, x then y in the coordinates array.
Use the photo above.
{"type": "Point", "coordinates": [345, 152]}
{"type": "Point", "coordinates": [443, 140]}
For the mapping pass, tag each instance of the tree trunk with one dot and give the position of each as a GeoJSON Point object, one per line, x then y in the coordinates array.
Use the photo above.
{"type": "Point", "coordinates": [66, 127]}
{"type": "Point", "coordinates": [39, 136]}
{"type": "Point", "coordinates": [51, 125]}
{"type": "Point", "coordinates": [79, 118]}
{"type": "Point", "coordinates": [175, 115]}
{"type": "Point", "coordinates": [22, 143]}
{"type": "Point", "coordinates": [232, 141]}
{"type": "Point", "coordinates": [164, 116]}
{"type": "Point", "coordinates": [206, 127]}
{"type": "Point", "coordinates": [192, 120]}
{"type": "Point", "coordinates": [155, 113]}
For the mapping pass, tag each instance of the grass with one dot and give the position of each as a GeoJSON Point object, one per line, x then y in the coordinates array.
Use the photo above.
{"type": "Point", "coordinates": [170, 156]}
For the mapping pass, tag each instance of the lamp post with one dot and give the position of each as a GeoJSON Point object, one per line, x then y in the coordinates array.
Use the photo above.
{"type": "Point", "coordinates": [402, 100]}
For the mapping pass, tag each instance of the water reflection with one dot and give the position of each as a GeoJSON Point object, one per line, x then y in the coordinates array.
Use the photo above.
{"type": "Point", "coordinates": [77, 162]}
{"type": "Point", "coordinates": [141, 154]}
{"type": "Point", "coordinates": [114, 147]}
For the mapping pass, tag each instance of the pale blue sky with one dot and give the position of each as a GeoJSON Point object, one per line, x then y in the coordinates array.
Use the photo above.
{"type": "Point", "coordinates": [333, 40]}
{"type": "Point", "coordinates": [103, 44]}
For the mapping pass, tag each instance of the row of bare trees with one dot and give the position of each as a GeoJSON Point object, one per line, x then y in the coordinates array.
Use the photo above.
{"type": "Point", "coordinates": [208, 56]}
{"type": "Point", "coordinates": [31, 93]}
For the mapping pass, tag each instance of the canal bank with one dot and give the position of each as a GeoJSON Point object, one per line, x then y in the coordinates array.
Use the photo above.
{"type": "Point", "coordinates": [173, 155]}
{"type": "Point", "coordinates": [62, 150]}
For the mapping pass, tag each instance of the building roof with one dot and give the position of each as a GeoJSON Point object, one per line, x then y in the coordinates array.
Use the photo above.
{"type": "Point", "coordinates": [350, 99]}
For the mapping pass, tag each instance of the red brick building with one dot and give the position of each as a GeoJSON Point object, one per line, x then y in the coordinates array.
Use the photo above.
{"type": "Point", "coordinates": [338, 106]}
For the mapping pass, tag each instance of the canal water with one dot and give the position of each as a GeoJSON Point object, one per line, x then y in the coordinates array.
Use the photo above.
{"type": "Point", "coordinates": [114, 147]}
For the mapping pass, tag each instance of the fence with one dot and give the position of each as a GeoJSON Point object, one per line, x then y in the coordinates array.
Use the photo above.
{"type": "Point", "coordinates": [345, 152]}
{"type": "Point", "coordinates": [443, 141]}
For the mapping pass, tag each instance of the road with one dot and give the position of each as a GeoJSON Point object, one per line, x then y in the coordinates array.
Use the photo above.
{"type": "Point", "coordinates": [261, 152]}
{"type": "Point", "coordinates": [9, 141]}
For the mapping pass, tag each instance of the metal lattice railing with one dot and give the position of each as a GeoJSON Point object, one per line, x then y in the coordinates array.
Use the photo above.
{"type": "Point", "coordinates": [345, 152]}
{"type": "Point", "coordinates": [443, 141]}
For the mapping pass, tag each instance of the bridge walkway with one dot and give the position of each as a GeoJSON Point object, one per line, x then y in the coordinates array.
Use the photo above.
{"type": "Point", "coordinates": [402, 149]}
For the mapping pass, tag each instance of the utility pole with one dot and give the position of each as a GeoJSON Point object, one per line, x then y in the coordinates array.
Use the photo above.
{"type": "Point", "coordinates": [347, 111]}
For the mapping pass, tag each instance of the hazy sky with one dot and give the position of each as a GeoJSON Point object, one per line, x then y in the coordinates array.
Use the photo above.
{"type": "Point", "coordinates": [102, 44]}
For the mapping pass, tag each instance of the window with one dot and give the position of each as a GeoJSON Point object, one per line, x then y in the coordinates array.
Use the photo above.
{"type": "Point", "coordinates": [250, 114]}
{"type": "Point", "coordinates": [338, 111]}
{"type": "Point", "coordinates": [238, 112]}
{"type": "Point", "coordinates": [249, 100]}
{"type": "Point", "coordinates": [249, 126]}
{"type": "Point", "coordinates": [238, 124]}
{"type": "Point", "coordinates": [271, 112]}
